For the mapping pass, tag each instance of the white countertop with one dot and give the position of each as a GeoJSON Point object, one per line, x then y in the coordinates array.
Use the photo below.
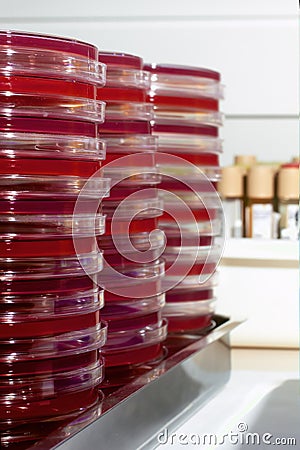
{"type": "Point", "coordinates": [263, 393]}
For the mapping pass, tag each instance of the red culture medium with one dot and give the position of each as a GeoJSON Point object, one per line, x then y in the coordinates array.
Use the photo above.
{"type": "Point", "coordinates": [184, 323]}
{"type": "Point", "coordinates": [134, 346]}
{"type": "Point", "coordinates": [12, 124]}
{"type": "Point", "coordinates": [59, 286]}
{"type": "Point", "coordinates": [19, 327]}
{"type": "Point", "coordinates": [189, 315]}
{"type": "Point", "coordinates": [50, 396]}
{"type": "Point", "coordinates": [45, 166]}
{"type": "Point", "coordinates": [133, 313]}
{"type": "Point", "coordinates": [127, 127]}
{"type": "Point", "coordinates": [48, 42]}
{"type": "Point", "coordinates": [120, 60]}
{"type": "Point", "coordinates": [55, 345]}
{"type": "Point", "coordinates": [10, 248]}
{"type": "Point", "coordinates": [34, 85]}
{"type": "Point", "coordinates": [193, 71]}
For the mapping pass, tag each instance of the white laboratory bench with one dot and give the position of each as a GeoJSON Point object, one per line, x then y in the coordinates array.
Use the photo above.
{"type": "Point", "coordinates": [263, 392]}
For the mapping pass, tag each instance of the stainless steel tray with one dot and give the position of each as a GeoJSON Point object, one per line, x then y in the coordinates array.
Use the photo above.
{"type": "Point", "coordinates": [134, 415]}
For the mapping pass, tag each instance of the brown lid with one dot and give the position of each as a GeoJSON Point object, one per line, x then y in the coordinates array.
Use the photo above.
{"type": "Point", "coordinates": [288, 182]}
{"type": "Point", "coordinates": [260, 182]}
{"type": "Point", "coordinates": [231, 184]}
{"type": "Point", "coordinates": [246, 161]}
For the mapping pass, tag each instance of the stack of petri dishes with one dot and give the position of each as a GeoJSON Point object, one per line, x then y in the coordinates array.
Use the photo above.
{"type": "Point", "coordinates": [133, 270]}
{"type": "Point", "coordinates": [50, 327]}
{"type": "Point", "coordinates": [187, 120]}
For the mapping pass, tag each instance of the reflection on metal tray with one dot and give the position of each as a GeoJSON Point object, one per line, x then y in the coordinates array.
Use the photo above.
{"type": "Point", "coordinates": [196, 367]}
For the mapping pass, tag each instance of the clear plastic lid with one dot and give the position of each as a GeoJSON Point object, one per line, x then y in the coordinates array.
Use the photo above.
{"type": "Point", "coordinates": [46, 207]}
{"type": "Point", "coordinates": [123, 250]}
{"type": "Point", "coordinates": [38, 227]}
{"type": "Point", "coordinates": [123, 191]}
{"type": "Point", "coordinates": [132, 307]}
{"type": "Point", "coordinates": [172, 69]}
{"type": "Point", "coordinates": [196, 325]}
{"type": "Point", "coordinates": [117, 76]}
{"type": "Point", "coordinates": [183, 145]}
{"type": "Point", "coordinates": [200, 229]}
{"type": "Point", "coordinates": [59, 107]}
{"type": "Point", "coordinates": [127, 358]}
{"type": "Point", "coordinates": [58, 346]}
{"type": "Point", "coordinates": [118, 145]}
{"type": "Point", "coordinates": [49, 367]}
{"type": "Point", "coordinates": [187, 115]}
{"type": "Point", "coordinates": [131, 339]}
{"type": "Point", "coordinates": [51, 267]}
{"type": "Point", "coordinates": [23, 326]}
{"type": "Point", "coordinates": [138, 165]}
{"type": "Point", "coordinates": [129, 78]}
{"type": "Point", "coordinates": [128, 111]}
{"type": "Point", "coordinates": [195, 200]}
{"type": "Point", "coordinates": [133, 314]}
{"type": "Point", "coordinates": [134, 177]}
{"type": "Point", "coordinates": [174, 142]}
{"type": "Point", "coordinates": [44, 396]}
{"type": "Point", "coordinates": [206, 212]}
{"type": "Point", "coordinates": [34, 187]}
{"type": "Point", "coordinates": [143, 208]}
{"type": "Point", "coordinates": [14, 124]}
{"type": "Point", "coordinates": [134, 227]}
{"type": "Point", "coordinates": [121, 375]}
{"type": "Point", "coordinates": [198, 159]}
{"type": "Point", "coordinates": [192, 281]}
{"type": "Point", "coordinates": [186, 80]}
{"type": "Point", "coordinates": [200, 254]}
{"type": "Point", "coordinates": [193, 308]}
{"type": "Point", "coordinates": [35, 41]}
{"type": "Point", "coordinates": [53, 288]}
{"type": "Point", "coordinates": [35, 146]}
{"type": "Point", "coordinates": [212, 173]}
{"type": "Point", "coordinates": [186, 110]}
{"type": "Point", "coordinates": [139, 241]}
{"type": "Point", "coordinates": [47, 305]}
{"type": "Point", "coordinates": [119, 127]}
{"type": "Point", "coordinates": [132, 280]}
{"type": "Point", "coordinates": [195, 183]}
{"type": "Point", "coordinates": [184, 262]}
{"type": "Point", "coordinates": [190, 292]}
{"type": "Point", "coordinates": [21, 432]}
{"type": "Point", "coordinates": [49, 64]}
{"type": "Point", "coordinates": [49, 56]}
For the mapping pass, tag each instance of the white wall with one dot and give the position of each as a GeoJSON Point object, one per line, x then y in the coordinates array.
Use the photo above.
{"type": "Point", "coordinates": [254, 45]}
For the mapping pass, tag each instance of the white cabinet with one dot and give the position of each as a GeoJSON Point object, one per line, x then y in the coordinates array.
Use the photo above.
{"type": "Point", "coordinates": [259, 281]}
